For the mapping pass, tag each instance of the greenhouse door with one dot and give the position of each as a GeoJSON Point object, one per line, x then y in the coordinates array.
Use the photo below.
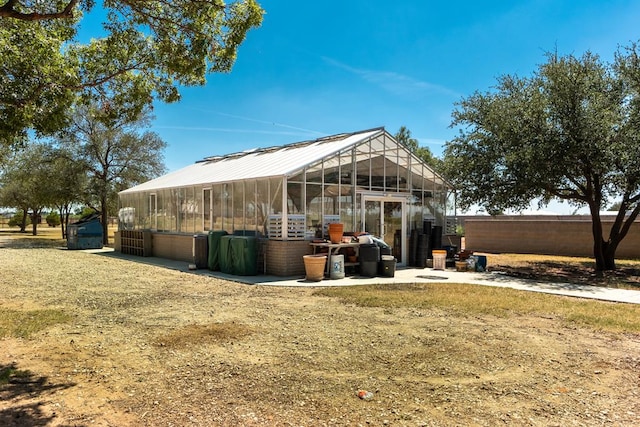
{"type": "Point", "coordinates": [385, 217]}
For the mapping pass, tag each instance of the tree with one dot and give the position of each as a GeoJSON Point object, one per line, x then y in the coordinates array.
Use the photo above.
{"type": "Point", "coordinates": [146, 49]}
{"type": "Point", "coordinates": [26, 183]}
{"type": "Point", "coordinates": [116, 154]}
{"type": "Point", "coordinates": [571, 131]}
{"type": "Point", "coordinates": [403, 136]}
{"type": "Point", "coordinates": [68, 183]}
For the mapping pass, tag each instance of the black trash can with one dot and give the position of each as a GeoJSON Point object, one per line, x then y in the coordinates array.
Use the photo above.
{"type": "Point", "coordinates": [200, 250]}
{"type": "Point", "coordinates": [369, 257]}
{"type": "Point", "coordinates": [388, 266]}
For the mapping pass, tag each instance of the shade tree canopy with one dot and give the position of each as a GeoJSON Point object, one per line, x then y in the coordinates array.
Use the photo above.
{"type": "Point", "coordinates": [145, 50]}
{"type": "Point", "coordinates": [571, 131]}
{"type": "Point", "coordinates": [115, 153]}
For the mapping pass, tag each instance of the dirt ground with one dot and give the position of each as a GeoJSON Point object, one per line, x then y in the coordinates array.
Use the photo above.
{"type": "Point", "coordinates": [150, 346]}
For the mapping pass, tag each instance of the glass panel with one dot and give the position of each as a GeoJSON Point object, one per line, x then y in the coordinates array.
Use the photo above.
{"type": "Point", "coordinates": [346, 210]}
{"type": "Point", "coordinates": [275, 191]}
{"type": "Point", "coordinates": [227, 208]}
{"type": "Point", "coordinates": [153, 211]}
{"type": "Point", "coordinates": [314, 209]}
{"type": "Point", "coordinates": [197, 211]}
{"type": "Point", "coordinates": [239, 222]}
{"type": "Point", "coordinates": [206, 209]}
{"type": "Point", "coordinates": [313, 174]}
{"type": "Point", "coordinates": [216, 197]}
{"type": "Point", "coordinates": [363, 167]}
{"type": "Point", "coordinates": [251, 211]}
{"type": "Point", "coordinates": [262, 204]}
{"type": "Point", "coordinates": [295, 204]}
{"type": "Point", "coordinates": [372, 217]}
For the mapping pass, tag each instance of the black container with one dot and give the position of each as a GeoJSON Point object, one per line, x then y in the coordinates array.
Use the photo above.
{"type": "Point", "coordinates": [369, 257]}
{"type": "Point", "coordinates": [436, 237]}
{"type": "Point", "coordinates": [426, 228]}
{"type": "Point", "coordinates": [423, 251]}
{"type": "Point", "coordinates": [200, 250]}
{"type": "Point", "coordinates": [413, 247]}
{"type": "Point", "coordinates": [388, 267]}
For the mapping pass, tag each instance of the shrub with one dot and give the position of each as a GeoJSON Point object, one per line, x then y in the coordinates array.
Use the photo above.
{"type": "Point", "coordinates": [53, 219]}
{"type": "Point", "coordinates": [16, 220]}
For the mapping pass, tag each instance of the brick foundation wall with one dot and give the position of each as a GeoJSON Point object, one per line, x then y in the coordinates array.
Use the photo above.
{"type": "Point", "coordinates": [173, 246]}
{"type": "Point", "coordinates": [550, 235]}
{"type": "Point", "coordinates": [284, 257]}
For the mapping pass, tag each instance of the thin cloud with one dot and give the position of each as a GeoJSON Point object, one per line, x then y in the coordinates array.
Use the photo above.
{"type": "Point", "coordinates": [231, 130]}
{"type": "Point", "coordinates": [391, 81]}
{"type": "Point", "coordinates": [265, 122]}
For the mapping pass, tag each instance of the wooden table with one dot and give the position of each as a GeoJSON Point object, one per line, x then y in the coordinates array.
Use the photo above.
{"type": "Point", "coordinates": [333, 249]}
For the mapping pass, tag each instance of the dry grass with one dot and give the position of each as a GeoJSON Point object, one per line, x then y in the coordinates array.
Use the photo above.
{"type": "Point", "coordinates": [23, 324]}
{"type": "Point", "coordinates": [234, 354]}
{"type": "Point", "coordinates": [194, 335]}
{"type": "Point", "coordinates": [472, 300]}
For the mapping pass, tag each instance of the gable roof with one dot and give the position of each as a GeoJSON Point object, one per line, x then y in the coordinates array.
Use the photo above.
{"type": "Point", "coordinates": [285, 160]}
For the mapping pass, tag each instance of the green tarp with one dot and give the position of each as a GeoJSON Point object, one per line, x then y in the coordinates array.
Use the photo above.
{"type": "Point", "coordinates": [238, 255]}
{"type": "Point", "coordinates": [214, 249]}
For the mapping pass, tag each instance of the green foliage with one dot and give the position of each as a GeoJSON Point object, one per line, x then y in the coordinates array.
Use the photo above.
{"type": "Point", "coordinates": [53, 219]}
{"type": "Point", "coordinates": [568, 132]}
{"type": "Point", "coordinates": [147, 49]}
{"type": "Point", "coordinates": [403, 136]}
{"type": "Point", "coordinates": [86, 211]}
{"type": "Point", "coordinates": [16, 219]}
{"type": "Point", "coordinates": [23, 183]}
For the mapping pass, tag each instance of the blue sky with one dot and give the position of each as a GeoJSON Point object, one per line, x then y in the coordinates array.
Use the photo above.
{"type": "Point", "coordinates": [319, 68]}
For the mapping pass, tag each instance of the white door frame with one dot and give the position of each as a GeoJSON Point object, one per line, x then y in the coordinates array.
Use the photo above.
{"type": "Point", "coordinates": [381, 199]}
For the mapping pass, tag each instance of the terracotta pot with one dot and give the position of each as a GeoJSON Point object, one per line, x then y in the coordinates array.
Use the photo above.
{"type": "Point", "coordinates": [314, 266]}
{"type": "Point", "coordinates": [336, 230]}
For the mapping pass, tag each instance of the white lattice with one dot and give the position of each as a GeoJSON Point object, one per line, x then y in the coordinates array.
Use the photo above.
{"type": "Point", "coordinates": [296, 227]}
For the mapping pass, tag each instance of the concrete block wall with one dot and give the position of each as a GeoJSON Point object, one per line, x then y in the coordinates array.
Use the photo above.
{"type": "Point", "coordinates": [550, 235]}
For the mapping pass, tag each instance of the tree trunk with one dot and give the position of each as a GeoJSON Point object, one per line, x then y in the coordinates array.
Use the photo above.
{"type": "Point", "coordinates": [609, 250]}
{"type": "Point", "coordinates": [23, 224]}
{"type": "Point", "coordinates": [600, 246]}
{"type": "Point", "coordinates": [62, 224]}
{"type": "Point", "coordinates": [105, 219]}
{"type": "Point", "coordinates": [35, 219]}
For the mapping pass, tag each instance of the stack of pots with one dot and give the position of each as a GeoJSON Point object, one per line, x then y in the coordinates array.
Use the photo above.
{"type": "Point", "coordinates": [336, 230]}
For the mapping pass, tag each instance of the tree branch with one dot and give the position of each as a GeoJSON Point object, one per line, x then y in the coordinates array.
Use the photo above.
{"type": "Point", "coordinates": [8, 10]}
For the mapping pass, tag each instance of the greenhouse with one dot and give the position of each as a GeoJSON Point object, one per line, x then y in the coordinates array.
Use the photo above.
{"type": "Point", "coordinates": [286, 196]}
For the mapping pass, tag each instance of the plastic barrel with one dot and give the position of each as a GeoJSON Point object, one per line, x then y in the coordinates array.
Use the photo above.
{"type": "Point", "coordinates": [423, 251]}
{"type": "Point", "coordinates": [200, 250]}
{"type": "Point", "coordinates": [369, 257]}
{"type": "Point", "coordinates": [337, 267]}
{"type": "Point", "coordinates": [481, 264]}
{"type": "Point", "coordinates": [436, 237]}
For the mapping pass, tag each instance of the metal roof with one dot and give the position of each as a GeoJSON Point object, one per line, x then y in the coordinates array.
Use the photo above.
{"type": "Point", "coordinates": [285, 160]}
